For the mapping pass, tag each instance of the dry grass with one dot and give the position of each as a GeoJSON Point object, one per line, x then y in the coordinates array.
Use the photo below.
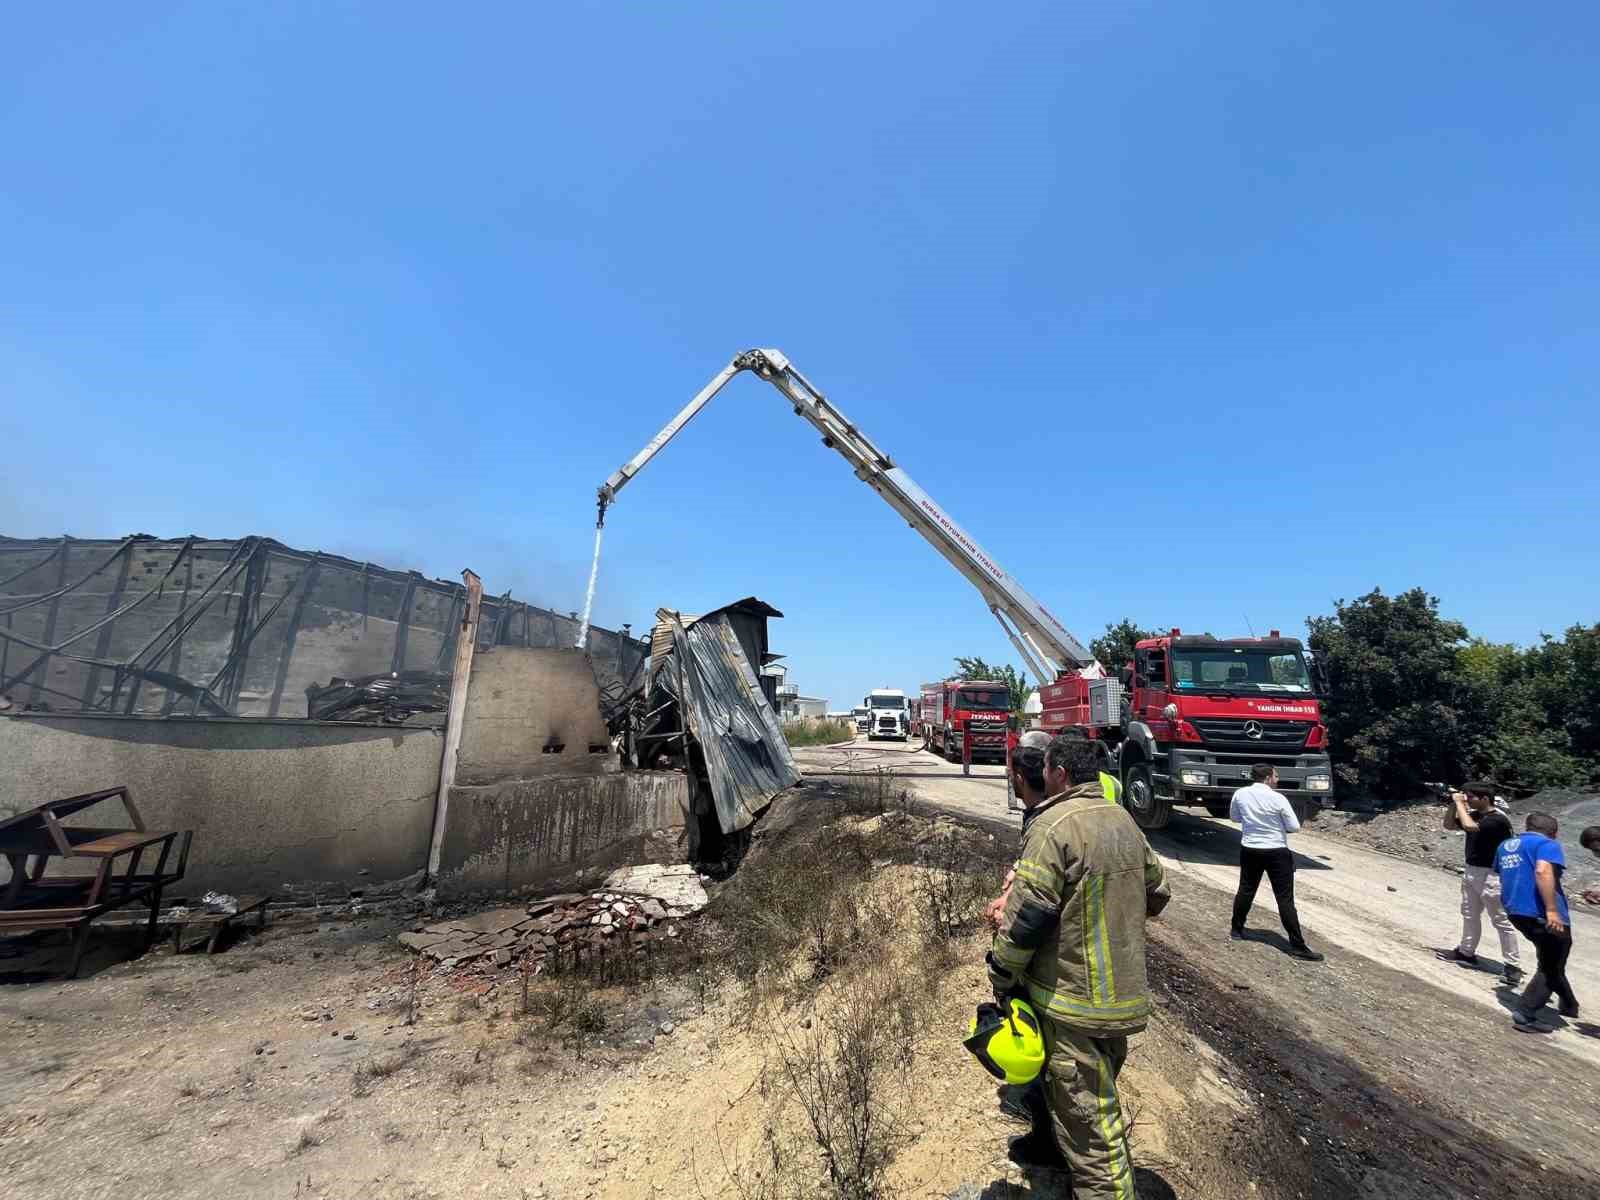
{"type": "Point", "coordinates": [801, 900]}
{"type": "Point", "coordinates": [381, 1066]}
{"type": "Point", "coordinates": [953, 882]}
{"type": "Point", "coordinates": [830, 940]}
{"type": "Point", "coordinates": [847, 1076]}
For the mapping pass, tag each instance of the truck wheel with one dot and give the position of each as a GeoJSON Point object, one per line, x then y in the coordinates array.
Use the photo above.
{"type": "Point", "coordinates": [1304, 810]}
{"type": "Point", "coordinates": [1219, 808]}
{"type": "Point", "coordinates": [1139, 794]}
{"type": "Point", "coordinates": [951, 754]}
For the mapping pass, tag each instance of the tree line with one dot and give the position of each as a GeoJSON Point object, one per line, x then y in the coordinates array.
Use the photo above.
{"type": "Point", "coordinates": [1411, 697]}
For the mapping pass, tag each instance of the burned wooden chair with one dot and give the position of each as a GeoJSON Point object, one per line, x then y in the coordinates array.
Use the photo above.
{"type": "Point", "coordinates": [33, 900]}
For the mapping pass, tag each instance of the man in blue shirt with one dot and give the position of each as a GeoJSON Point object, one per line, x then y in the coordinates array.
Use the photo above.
{"type": "Point", "coordinates": [1530, 867]}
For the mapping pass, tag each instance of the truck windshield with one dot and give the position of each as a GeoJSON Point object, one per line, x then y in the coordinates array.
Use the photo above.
{"type": "Point", "coordinates": [985, 700]}
{"type": "Point", "coordinates": [1240, 669]}
{"type": "Point", "coordinates": [888, 702]}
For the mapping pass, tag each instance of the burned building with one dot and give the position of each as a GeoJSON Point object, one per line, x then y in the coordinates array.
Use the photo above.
{"type": "Point", "coordinates": [200, 673]}
{"type": "Point", "coordinates": [244, 627]}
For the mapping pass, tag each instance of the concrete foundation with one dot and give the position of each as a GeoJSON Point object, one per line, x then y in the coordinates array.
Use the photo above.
{"type": "Point", "coordinates": [549, 833]}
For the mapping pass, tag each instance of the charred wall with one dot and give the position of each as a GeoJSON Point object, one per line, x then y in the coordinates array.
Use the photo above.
{"type": "Point", "coordinates": [541, 833]}
{"type": "Point", "coordinates": [276, 806]}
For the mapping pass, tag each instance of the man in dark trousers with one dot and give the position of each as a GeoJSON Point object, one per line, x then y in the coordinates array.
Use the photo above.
{"type": "Point", "coordinates": [1530, 866]}
{"type": "Point", "coordinates": [1486, 827]}
{"type": "Point", "coordinates": [1266, 820]}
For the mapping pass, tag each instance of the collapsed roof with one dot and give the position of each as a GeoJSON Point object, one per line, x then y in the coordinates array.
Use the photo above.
{"type": "Point", "coordinates": [239, 627]}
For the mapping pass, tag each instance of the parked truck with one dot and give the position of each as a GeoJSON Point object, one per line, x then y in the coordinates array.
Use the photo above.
{"type": "Point", "coordinates": [890, 716]}
{"type": "Point", "coordinates": [956, 711]}
{"type": "Point", "coordinates": [1181, 726]}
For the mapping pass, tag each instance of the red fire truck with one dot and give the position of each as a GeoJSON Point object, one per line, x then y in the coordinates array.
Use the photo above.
{"type": "Point", "coordinates": [1192, 713]}
{"type": "Point", "coordinates": [958, 710]}
{"type": "Point", "coordinates": [1182, 725]}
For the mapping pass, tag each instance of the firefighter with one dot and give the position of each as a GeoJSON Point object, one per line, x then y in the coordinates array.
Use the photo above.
{"type": "Point", "coordinates": [1072, 942]}
{"type": "Point", "coordinates": [1013, 742]}
{"type": "Point", "coordinates": [1025, 782]}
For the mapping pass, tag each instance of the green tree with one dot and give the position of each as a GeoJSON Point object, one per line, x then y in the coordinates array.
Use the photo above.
{"type": "Point", "coordinates": [1520, 748]}
{"type": "Point", "coordinates": [1563, 675]}
{"type": "Point", "coordinates": [1400, 710]}
{"type": "Point", "coordinates": [1016, 681]}
{"type": "Point", "coordinates": [1115, 648]}
{"type": "Point", "coordinates": [1541, 710]}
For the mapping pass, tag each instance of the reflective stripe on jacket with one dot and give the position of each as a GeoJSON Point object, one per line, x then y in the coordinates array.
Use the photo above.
{"type": "Point", "coordinates": [1073, 928]}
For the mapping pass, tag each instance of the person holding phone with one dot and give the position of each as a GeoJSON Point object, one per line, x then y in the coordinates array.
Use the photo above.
{"type": "Point", "coordinates": [1486, 828]}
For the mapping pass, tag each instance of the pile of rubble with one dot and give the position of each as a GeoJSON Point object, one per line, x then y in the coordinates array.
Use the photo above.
{"type": "Point", "coordinates": [645, 905]}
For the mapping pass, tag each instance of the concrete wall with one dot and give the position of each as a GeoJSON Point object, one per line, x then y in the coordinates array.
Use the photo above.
{"type": "Point", "coordinates": [271, 802]}
{"type": "Point", "coordinates": [313, 810]}
{"type": "Point", "coordinates": [532, 713]}
{"type": "Point", "coordinates": [525, 814]}
{"type": "Point", "coordinates": [543, 833]}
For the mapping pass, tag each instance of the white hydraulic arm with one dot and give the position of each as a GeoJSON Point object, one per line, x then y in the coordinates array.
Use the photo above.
{"type": "Point", "coordinates": [1044, 643]}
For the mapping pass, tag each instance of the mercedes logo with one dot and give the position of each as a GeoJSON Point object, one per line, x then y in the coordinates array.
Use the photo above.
{"type": "Point", "coordinates": [1252, 730]}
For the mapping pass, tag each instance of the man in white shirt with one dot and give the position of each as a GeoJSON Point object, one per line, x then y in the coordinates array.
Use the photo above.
{"type": "Point", "coordinates": [1266, 820]}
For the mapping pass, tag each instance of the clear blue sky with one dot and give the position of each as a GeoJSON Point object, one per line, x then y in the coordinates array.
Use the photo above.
{"type": "Point", "coordinates": [1198, 314]}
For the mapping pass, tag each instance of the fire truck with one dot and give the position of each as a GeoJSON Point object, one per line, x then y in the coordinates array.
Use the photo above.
{"type": "Point", "coordinates": [1192, 713]}
{"type": "Point", "coordinates": [956, 711]}
{"type": "Point", "coordinates": [1181, 726]}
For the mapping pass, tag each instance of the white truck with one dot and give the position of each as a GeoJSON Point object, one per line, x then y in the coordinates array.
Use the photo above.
{"type": "Point", "coordinates": [891, 714]}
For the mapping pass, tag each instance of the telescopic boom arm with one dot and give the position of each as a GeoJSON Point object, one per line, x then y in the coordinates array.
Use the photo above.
{"type": "Point", "coordinates": [1043, 642]}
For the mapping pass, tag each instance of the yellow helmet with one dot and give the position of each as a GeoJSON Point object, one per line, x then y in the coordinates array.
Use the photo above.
{"type": "Point", "coordinates": [1008, 1044]}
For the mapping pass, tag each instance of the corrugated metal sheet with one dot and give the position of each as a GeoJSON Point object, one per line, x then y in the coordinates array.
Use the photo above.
{"type": "Point", "coordinates": [747, 756]}
{"type": "Point", "coordinates": [661, 634]}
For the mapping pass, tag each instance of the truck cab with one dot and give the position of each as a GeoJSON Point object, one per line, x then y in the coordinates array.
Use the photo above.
{"type": "Point", "coordinates": [890, 714]}
{"type": "Point", "coordinates": [966, 715]}
{"type": "Point", "coordinates": [1192, 713]}
{"type": "Point", "coordinates": [862, 716]}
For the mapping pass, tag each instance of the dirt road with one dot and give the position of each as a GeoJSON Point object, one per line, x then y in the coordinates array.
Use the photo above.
{"type": "Point", "coordinates": [1389, 1028]}
{"type": "Point", "coordinates": [1374, 905]}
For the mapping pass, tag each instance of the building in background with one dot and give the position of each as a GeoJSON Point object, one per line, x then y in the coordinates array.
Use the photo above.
{"type": "Point", "coordinates": [791, 705]}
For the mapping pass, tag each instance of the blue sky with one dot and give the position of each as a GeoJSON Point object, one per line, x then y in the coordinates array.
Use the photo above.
{"type": "Point", "coordinates": [1203, 315]}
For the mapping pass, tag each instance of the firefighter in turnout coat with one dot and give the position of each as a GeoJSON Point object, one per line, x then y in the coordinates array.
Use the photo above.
{"type": "Point", "coordinates": [1072, 942]}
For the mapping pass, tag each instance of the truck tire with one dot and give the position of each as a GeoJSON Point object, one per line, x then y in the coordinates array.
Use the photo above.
{"type": "Point", "coordinates": [951, 754]}
{"type": "Point", "coordinates": [1304, 810]}
{"type": "Point", "coordinates": [1149, 810]}
{"type": "Point", "coordinates": [1219, 808]}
